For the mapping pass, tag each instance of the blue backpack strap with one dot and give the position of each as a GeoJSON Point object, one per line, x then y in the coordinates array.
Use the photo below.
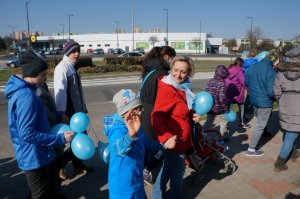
{"type": "Point", "coordinates": [144, 80]}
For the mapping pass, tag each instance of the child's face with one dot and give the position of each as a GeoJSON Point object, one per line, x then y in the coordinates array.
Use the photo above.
{"type": "Point", "coordinates": [74, 56]}
{"type": "Point", "coordinates": [40, 79]}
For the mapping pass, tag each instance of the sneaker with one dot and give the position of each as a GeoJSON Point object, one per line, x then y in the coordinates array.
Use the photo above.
{"type": "Point", "coordinates": [255, 153]}
{"type": "Point", "coordinates": [148, 177]}
{"type": "Point", "coordinates": [245, 126]}
{"type": "Point", "coordinates": [62, 174]}
{"type": "Point", "coordinates": [82, 168]}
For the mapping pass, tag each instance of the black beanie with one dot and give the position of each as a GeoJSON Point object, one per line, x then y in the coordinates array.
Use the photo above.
{"type": "Point", "coordinates": [32, 64]}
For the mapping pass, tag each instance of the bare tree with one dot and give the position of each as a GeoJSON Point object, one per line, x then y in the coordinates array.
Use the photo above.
{"type": "Point", "coordinates": [153, 40]}
{"type": "Point", "coordinates": [209, 35]}
{"type": "Point", "coordinates": [231, 44]}
{"type": "Point", "coordinates": [197, 43]}
{"type": "Point", "coordinates": [254, 36]}
{"type": "Point", "coordinates": [266, 44]}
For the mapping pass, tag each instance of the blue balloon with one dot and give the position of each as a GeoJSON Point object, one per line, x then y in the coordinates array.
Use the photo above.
{"type": "Point", "coordinates": [203, 102]}
{"type": "Point", "coordinates": [230, 116]}
{"type": "Point", "coordinates": [60, 128]}
{"type": "Point", "coordinates": [261, 55]}
{"type": "Point", "coordinates": [82, 146]}
{"type": "Point", "coordinates": [79, 122]}
{"type": "Point", "coordinates": [103, 152]}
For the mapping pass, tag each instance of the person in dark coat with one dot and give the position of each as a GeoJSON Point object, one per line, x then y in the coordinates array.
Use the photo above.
{"type": "Point", "coordinates": [156, 63]}
{"type": "Point", "coordinates": [287, 92]}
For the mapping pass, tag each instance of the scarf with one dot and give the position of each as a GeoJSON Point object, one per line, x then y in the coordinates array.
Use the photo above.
{"type": "Point", "coordinates": [185, 86]}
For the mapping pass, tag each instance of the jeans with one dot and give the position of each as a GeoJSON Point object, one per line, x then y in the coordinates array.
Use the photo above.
{"type": "Point", "coordinates": [173, 169]}
{"type": "Point", "coordinates": [288, 144]}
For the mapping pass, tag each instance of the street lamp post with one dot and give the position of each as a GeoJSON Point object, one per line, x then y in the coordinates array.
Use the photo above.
{"type": "Point", "coordinates": [132, 25]}
{"type": "Point", "coordinates": [200, 38]}
{"type": "Point", "coordinates": [117, 22]}
{"type": "Point", "coordinates": [251, 18]}
{"type": "Point", "coordinates": [167, 39]}
{"type": "Point", "coordinates": [70, 15]}
{"type": "Point", "coordinates": [12, 36]}
{"type": "Point", "coordinates": [29, 43]}
{"type": "Point", "coordinates": [63, 27]}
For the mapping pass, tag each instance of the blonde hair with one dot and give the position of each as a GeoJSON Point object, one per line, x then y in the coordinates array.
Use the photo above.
{"type": "Point", "coordinates": [187, 60]}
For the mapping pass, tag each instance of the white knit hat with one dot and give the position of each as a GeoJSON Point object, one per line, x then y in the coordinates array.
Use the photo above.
{"type": "Point", "coordinates": [125, 100]}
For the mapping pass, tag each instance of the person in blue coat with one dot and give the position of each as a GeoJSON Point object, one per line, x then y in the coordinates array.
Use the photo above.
{"type": "Point", "coordinates": [30, 130]}
{"type": "Point", "coordinates": [260, 80]}
{"type": "Point", "coordinates": [127, 142]}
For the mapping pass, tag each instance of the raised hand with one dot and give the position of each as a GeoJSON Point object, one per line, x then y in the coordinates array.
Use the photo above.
{"type": "Point", "coordinates": [133, 121]}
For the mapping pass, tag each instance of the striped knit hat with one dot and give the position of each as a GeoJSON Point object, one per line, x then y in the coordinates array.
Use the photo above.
{"type": "Point", "coordinates": [70, 46]}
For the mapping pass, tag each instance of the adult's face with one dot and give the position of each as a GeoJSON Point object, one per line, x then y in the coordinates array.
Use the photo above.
{"type": "Point", "coordinates": [180, 71]}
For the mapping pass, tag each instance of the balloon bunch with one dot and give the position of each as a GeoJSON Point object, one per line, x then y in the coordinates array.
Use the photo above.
{"type": "Point", "coordinates": [82, 145]}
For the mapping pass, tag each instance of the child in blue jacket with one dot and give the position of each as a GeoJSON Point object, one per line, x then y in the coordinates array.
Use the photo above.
{"type": "Point", "coordinates": [127, 142]}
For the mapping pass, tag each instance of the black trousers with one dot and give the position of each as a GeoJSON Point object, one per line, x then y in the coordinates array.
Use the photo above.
{"type": "Point", "coordinates": [44, 182]}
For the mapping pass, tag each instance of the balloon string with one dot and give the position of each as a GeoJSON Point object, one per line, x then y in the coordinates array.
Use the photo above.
{"type": "Point", "coordinates": [90, 127]}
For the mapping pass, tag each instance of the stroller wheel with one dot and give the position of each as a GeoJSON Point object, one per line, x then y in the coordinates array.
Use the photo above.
{"type": "Point", "coordinates": [230, 167]}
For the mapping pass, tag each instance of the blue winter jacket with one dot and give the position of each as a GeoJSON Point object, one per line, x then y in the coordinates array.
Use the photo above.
{"type": "Point", "coordinates": [260, 80]}
{"type": "Point", "coordinates": [28, 125]}
{"type": "Point", "coordinates": [125, 175]}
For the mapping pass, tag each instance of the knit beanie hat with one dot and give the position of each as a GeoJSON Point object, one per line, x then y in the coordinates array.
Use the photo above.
{"type": "Point", "coordinates": [32, 64]}
{"type": "Point", "coordinates": [125, 100]}
{"type": "Point", "coordinates": [70, 46]}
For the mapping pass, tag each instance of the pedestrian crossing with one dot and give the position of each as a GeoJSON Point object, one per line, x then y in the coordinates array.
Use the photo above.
{"type": "Point", "coordinates": [119, 80]}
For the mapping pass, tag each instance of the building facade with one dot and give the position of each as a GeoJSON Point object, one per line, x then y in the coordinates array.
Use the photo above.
{"type": "Point", "coordinates": [182, 42]}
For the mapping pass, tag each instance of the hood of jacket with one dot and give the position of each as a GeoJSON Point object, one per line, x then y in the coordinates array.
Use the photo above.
{"type": "Point", "coordinates": [233, 71]}
{"type": "Point", "coordinates": [154, 64]}
{"type": "Point", "coordinates": [291, 70]}
{"type": "Point", "coordinates": [221, 72]}
{"type": "Point", "coordinates": [110, 122]}
{"type": "Point", "coordinates": [14, 84]}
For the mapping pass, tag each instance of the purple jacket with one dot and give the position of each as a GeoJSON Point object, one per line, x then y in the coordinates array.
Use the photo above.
{"type": "Point", "coordinates": [235, 84]}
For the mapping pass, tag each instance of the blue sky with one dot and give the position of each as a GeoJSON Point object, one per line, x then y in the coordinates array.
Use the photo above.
{"type": "Point", "coordinates": [222, 18]}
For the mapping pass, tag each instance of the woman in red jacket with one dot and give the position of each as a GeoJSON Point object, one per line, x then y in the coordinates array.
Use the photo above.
{"type": "Point", "coordinates": [172, 120]}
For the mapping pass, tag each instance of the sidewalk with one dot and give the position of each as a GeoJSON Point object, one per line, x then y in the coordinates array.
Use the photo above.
{"type": "Point", "coordinates": [254, 178]}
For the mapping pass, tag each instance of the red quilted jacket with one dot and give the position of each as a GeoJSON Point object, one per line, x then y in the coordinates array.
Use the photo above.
{"type": "Point", "coordinates": [171, 116]}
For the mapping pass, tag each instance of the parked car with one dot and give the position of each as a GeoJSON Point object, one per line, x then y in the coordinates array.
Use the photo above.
{"type": "Point", "coordinates": [110, 50]}
{"type": "Point", "coordinates": [89, 51]}
{"type": "Point", "coordinates": [131, 54]}
{"type": "Point", "coordinates": [13, 62]}
{"type": "Point", "coordinates": [98, 51]}
{"type": "Point", "coordinates": [118, 51]}
{"type": "Point", "coordinates": [140, 50]}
